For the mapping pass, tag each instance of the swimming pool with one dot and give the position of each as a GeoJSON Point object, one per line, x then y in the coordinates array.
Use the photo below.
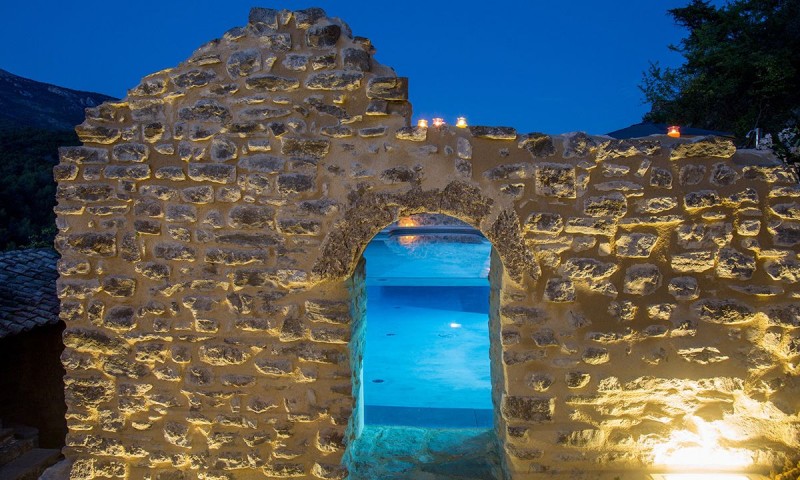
{"type": "Point", "coordinates": [426, 359]}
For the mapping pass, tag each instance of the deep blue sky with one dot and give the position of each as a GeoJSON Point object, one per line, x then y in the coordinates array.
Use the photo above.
{"type": "Point", "coordinates": [551, 65]}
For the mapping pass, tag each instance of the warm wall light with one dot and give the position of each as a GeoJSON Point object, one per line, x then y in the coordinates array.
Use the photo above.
{"type": "Point", "coordinates": [406, 221]}
{"type": "Point", "coordinates": [422, 123]}
{"type": "Point", "coordinates": [461, 122]}
{"type": "Point", "coordinates": [704, 476]}
{"type": "Point", "coordinates": [674, 131]}
{"type": "Point", "coordinates": [438, 122]}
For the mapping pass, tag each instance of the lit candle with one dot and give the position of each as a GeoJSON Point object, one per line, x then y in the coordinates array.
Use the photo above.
{"type": "Point", "coordinates": [422, 123]}
{"type": "Point", "coordinates": [674, 131]}
{"type": "Point", "coordinates": [438, 122]}
{"type": "Point", "coordinates": [461, 122]}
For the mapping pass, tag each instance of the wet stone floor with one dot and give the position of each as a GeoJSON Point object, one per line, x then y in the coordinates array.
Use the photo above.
{"type": "Point", "coordinates": [408, 453]}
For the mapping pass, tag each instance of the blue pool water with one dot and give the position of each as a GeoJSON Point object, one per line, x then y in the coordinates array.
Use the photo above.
{"type": "Point", "coordinates": [426, 359]}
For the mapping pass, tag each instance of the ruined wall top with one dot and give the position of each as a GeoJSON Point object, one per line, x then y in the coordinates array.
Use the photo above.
{"type": "Point", "coordinates": [210, 222]}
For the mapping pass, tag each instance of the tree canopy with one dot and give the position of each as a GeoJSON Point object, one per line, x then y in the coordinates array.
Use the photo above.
{"type": "Point", "coordinates": [27, 188]}
{"type": "Point", "coordinates": [741, 68]}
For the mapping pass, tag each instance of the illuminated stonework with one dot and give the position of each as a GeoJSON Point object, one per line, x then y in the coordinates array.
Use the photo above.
{"type": "Point", "coordinates": [645, 314]}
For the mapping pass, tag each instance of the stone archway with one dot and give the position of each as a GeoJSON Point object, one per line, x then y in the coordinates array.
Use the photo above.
{"type": "Point", "coordinates": [210, 223]}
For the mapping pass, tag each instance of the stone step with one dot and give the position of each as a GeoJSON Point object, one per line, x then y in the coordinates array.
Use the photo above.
{"type": "Point", "coordinates": [13, 449]}
{"type": "Point", "coordinates": [6, 435]}
{"type": "Point", "coordinates": [30, 465]}
{"type": "Point", "coordinates": [24, 432]}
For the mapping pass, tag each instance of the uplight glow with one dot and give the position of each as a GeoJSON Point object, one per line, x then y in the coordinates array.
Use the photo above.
{"type": "Point", "coordinates": [699, 449]}
{"type": "Point", "coordinates": [406, 222]}
{"type": "Point", "coordinates": [702, 476]}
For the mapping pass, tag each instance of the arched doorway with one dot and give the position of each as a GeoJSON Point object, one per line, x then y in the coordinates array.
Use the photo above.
{"type": "Point", "coordinates": [425, 399]}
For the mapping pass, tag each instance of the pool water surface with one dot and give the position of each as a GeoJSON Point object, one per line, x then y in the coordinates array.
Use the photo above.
{"type": "Point", "coordinates": [426, 360]}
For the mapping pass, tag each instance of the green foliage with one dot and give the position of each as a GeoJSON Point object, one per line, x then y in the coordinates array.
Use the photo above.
{"type": "Point", "coordinates": [27, 188]}
{"type": "Point", "coordinates": [741, 69]}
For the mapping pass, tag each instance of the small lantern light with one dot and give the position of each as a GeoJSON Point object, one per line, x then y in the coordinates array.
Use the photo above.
{"type": "Point", "coordinates": [438, 122]}
{"type": "Point", "coordinates": [674, 131]}
{"type": "Point", "coordinates": [422, 123]}
{"type": "Point", "coordinates": [461, 122]}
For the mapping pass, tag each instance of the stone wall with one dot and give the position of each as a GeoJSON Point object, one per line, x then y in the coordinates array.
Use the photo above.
{"type": "Point", "coordinates": [645, 290]}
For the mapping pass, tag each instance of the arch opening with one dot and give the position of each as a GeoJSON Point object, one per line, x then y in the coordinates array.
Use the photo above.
{"type": "Point", "coordinates": [424, 352]}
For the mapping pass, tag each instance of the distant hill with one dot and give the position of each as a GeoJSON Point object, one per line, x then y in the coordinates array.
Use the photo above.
{"type": "Point", "coordinates": [28, 103]}
{"type": "Point", "coordinates": [35, 119]}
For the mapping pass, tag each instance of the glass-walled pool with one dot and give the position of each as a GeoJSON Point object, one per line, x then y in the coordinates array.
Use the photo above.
{"type": "Point", "coordinates": [426, 360]}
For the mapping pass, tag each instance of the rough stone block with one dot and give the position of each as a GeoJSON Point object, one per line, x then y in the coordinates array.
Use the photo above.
{"type": "Point", "coordinates": [555, 180]}
{"type": "Point", "coordinates": [388, 88]}
{"type": "Point", "coordinates": [415, 134]}
{"type": "Point", "coordinates": [611, 205]}
{"type": "Point", "coordinates": [734, 264]}
{"type": "Point", "coordinates": [323, 36]}
{"type": "Point", "coordinates": [587, 269]}
{"type": "Point", "coordinates": [298, 147]}
{"type": "Point", "coordinates": [307, 17]}
{"type": "Point", "coordinates": [194, 78]}
{"type": "Point", "coordinates": [295, 62]}
{"type": "Point", "coordinates": [251, 216]}
{"type": "Point", "coordinates": [701, 199]}
{"type": "Point", "coordinates": [334, 80]}
{"type": "Point", "coordinates": [119, 286]}
{"type": "Point", "coordinates": [83, 155]}
{"type": "Point", "coordinates": [539, 145]}
{"type": "Point", "coordinates": [559, 290]}
{"type": "Point", "coordinates": [356, 59]}
{"type": "Point", "coordinates": [510, 171]}
{"type": "Point", "coordinates": [97, 134]}
{"type": "Point", "coordinates": [127, 172]}
{"type": "Point", "coordinates": [289, 183]}
{"type": "Point", "coordinates": [173, 251]}
{"type": "Point", "coordinates": [199, 195]}
{"type": "Point", "coordinates": [660, 178]}
{"type": "Point", "coordinates": [544, 223]}
{"type": "Point", "coordinates": [724, 311]}
{"type": "Point", "coordinates": [528, 409]}
{"type": "Point", "coordinates": [703, 147]}
{"type": "Point", "coordinates": [93, 244]}
{"type": "Point", "coordinates": [181, 213]}
{"type": "Point", "coordinates": [121, 317]}
{"type": "Point", "coordinates": [206, 111]}
{"type": "Point", "coordinates": [636, 245]}
{"type": "Point", "coordinates": [272, 83]}
{"type": "Point", "coordinates": [642, 279]}
{"type": "Point", "coordinates": [212, 172]}
{"type": "Point", "coordinates": [337, 131]}
{"type": "Point", "coordinates": [627, 148]}
{"type": "Point", "coordinates": [787, 234]}
{"type": "Point", "coordinates": [85, 192]}
{"type": "Point", "coordinates": [493, 133]}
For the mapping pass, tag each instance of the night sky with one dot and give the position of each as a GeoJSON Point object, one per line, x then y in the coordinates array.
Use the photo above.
{"type": "Point", "coordinates": [548, 66]}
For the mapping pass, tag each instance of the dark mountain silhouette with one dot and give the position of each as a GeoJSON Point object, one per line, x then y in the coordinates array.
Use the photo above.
{"type": "Point", "coordinates": [28, 103]}
{"type": "Point", "coordinates": [35, 119]}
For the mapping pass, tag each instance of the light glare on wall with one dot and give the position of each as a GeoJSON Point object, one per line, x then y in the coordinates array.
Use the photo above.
{"type": "Point", "coordinates": [700, 476]}
{"type": "Point", "coordinates": [698, 448]}
{"type": "Point", "coordinates": [703, 476]}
